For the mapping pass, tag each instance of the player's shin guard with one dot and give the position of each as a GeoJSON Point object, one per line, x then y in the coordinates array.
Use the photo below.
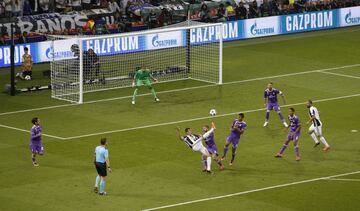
{"type": "Point", "coordinates": [225, 151]}
{"type": "Point", "coordinates": [233, 155]}
{"type": "Point", "coordinates": [97, 180]}
{"type": "Point", "coordinates": [297, 151]}
{"type": "Point", "coordinates": [204, 163]}
{"type": "Point", "coordinates": [281, 116]}
{"type": "Point", "coordinates": [33, 158]}
{"type": "Point", "coordinates": [153, 92]}
{"type": "Point", "coordinates": [135, 93]}
{"type": "Point", "coordinates": [208, 162]}
{"type": "Point", "coordinates": [313, 136]}
{"type": "Point", "coordinates": [102, 186]}
{"type": "Point", "coordinates": [283, 149]}
{"type": "Point", "coordinates": [267, 115]}
{"type": "Point", "coordinates": [322, 139]}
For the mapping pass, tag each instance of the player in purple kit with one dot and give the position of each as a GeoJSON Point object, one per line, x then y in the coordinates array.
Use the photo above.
{"type": "Point", "coordinates": [212, 148]}
{"type": "Point", "coordinates": [271, 102]}
{"type": "Point", "coordinates": [293, 135]}
{"type": "Point", "coordinates": [36, 146]}
{"type": "Point", "coordinates": [237, 129]}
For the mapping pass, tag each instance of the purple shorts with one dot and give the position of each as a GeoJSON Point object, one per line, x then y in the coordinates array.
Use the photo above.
{"type": "Point", "coordinates": [293, 137]}
{"type": "Point", "coordinates": [212, 149]}
{"type": "Point", "coordinates": [234, 140]}
{"type": "Point", "coordinates": [274, 106]}
{"type": "Point", "coordinates": [37, 148]}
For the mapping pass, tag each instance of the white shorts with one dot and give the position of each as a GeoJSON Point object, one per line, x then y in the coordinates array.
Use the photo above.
{"type": "Point", "coordinates": [199, 147]}
{"type": "Point", "coordinates": [317, 130]}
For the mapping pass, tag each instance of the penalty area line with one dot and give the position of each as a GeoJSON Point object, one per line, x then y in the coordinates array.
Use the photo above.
{"type": "Point", "coordinates": [251, 191]}
{"type": "Point", "coordinates": [342, 75]}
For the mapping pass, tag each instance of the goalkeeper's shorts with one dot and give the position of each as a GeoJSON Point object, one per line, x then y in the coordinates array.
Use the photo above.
{"type": "Point", "coordinates": [146, 83]}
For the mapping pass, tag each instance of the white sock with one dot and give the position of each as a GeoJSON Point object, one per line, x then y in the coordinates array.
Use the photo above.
{"type": "Point", "coordinates": [97, 181]}
{"type": "Point", "coordinates": [208, 160]}
{"type": "Point", "coordinates": [322, 139]}
{"type": "Point", "coordinates": [313, 136]}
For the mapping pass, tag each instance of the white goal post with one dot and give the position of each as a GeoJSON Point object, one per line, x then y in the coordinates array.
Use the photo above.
{"type": "Point", "coordinates": [84, 64]}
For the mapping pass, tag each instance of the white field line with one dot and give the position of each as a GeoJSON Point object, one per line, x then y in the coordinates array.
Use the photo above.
{"type": "Point", "coordinates": [202, 118]}
{"type": "Point", "coordinates": [183, 89]}
{"type": "Point", "coordinates": [346, 180]}
{"type": "Point", "coordinates": [252, 191]}
{"type": "Point", "coordinates": [342, 75]}
{"type": "Point", "coordinates": [28, 131]}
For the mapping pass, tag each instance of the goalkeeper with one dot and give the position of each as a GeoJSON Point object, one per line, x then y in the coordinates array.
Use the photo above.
{"type": "Point", "coordinates": [143, 78]}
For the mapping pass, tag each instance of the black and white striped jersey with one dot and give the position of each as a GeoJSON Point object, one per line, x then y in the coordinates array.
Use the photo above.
{"type": "Point", "coordinates": [315, 113]}
{"type": "Point", "coordinates": [190, 140]}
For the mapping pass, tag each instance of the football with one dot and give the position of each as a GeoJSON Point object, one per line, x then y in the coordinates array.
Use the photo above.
{"type": "Point", "coordinates": [212, 112]}
{"type": "Point", "coordinates": [27, 77]}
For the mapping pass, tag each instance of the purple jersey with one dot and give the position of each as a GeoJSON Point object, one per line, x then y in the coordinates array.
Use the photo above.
{"type": "Point", "coordinates": [35, 140]}
{"type": "Point", "coordinates": [210, 144]}
{"type": "Point", "coordinates": [294, 123]}
{"type": "Point", "coordinates": [35, 134]}
{"type": "Point", "coordinates": [210, 140]}
{"type": "Point", "coordinates": [237, 124]}
{"type": "Point", "coordinates": [271, 95]}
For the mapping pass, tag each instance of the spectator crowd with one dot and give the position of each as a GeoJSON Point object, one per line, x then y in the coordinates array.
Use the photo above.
{"type": "Point", "coordinates": [126, 18]}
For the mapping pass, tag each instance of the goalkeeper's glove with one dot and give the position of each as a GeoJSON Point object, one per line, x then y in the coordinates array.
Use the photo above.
{"type": "Point", "coordinates": [133, 84]}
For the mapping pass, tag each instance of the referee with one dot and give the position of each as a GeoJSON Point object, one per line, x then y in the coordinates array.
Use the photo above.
{"type": "Point", "coordinates": [101, 163]}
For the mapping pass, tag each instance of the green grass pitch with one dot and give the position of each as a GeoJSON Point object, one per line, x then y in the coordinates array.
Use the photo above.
{"type": "Point", "coordinates": [152, 168]}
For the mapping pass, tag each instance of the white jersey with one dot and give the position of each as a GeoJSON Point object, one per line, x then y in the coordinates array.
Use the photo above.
{"type": "Point", "coordinates": [313, 112]}
{"type": "Point", "coordinates": [191, 140]}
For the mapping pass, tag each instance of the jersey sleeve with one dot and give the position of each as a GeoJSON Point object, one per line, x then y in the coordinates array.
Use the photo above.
{"type": "Point", "coordinates": [106, 154]}
{"type": "Point", "coordinates": [265, 94]}
{"type": "Point", "coordinates": [33, 133]}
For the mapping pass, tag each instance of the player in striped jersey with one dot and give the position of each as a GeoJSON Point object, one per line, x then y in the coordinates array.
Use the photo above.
{"type": "Point", "coordinates": [195, 143]}
{"type": "Point", "coordinates": [315, 129]}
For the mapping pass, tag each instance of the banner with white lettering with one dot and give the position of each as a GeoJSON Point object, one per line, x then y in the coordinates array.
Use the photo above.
{"type": "Point", "coordinates": [231, 31]}
{"type": "Point", "coordinates": [50, 22]}
{"type": "Point", "coordinates": [309, 21]}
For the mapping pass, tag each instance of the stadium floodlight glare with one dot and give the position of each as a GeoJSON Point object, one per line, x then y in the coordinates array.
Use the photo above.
{"type": "Point", "coordinates": [84, 64]}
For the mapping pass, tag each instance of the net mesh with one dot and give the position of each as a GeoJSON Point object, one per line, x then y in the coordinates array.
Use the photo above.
{"type": "Point", "coordinates": [183, 51]}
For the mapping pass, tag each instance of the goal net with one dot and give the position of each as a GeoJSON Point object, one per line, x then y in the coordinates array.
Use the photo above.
{"type": "Point", "coordinates": [84, 64]}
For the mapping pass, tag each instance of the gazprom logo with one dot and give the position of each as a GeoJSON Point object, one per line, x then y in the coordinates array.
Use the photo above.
{"type": "Point", "coordinates": [156, 42]}
{"type": "Point", "coordinates": [51, 54]}
{"type": "Point", "coordinates": [254, 30]}
{"type": "Point", "coordinates": [351, 20]}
